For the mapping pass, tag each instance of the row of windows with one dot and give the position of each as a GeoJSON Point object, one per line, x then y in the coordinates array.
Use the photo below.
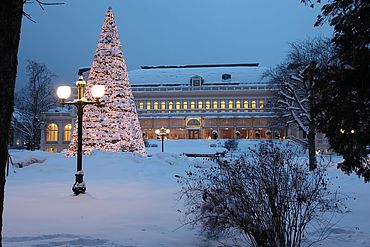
{"type": "Point", "coordinates": [201, 104]}
{"type": "Point", "coordinates": [52, 132]}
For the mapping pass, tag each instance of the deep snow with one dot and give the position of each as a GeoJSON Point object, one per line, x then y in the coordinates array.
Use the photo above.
{"type": "Point", "coordinates": [131, 200]}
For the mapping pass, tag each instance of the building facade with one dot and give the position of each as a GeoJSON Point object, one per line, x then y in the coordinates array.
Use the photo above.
{"type": "Point", "coordinates": [194, 102]}
{"type": "Point", "coordinates": [57, 127]}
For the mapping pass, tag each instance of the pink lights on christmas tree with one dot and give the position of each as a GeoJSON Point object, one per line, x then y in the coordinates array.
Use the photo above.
{"type": "Point", "coordinates": [114, 125]}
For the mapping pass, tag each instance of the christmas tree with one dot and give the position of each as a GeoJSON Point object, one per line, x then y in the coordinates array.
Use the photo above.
{"type": "Point", "coordinates": [113, 125]}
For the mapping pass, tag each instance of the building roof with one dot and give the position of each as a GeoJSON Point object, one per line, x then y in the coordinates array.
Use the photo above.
{"type": "Point", "coordinates": [211, 74]}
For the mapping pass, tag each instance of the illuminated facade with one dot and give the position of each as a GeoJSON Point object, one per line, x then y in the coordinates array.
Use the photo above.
{"type": "Point", "coordinates": [195, 101]}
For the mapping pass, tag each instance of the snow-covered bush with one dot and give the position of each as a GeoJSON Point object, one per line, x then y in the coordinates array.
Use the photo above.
{"type": "Point", "coordinates": [264, 198]}
{"type": "Point", "coordinates": [231, 145]}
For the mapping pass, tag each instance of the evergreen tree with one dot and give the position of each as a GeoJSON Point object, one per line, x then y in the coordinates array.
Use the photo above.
{"type": "Point", "coordinates": [113, 125]}
{"type": "Point", "coordinates": [344, 106]}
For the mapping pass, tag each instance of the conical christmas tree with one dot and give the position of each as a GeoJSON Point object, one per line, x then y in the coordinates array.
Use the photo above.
{"type": "Point", "coordinates": [114, 125]}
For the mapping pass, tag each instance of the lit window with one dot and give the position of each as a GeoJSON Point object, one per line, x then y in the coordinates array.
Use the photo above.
{"type": "Point", "coordinates": [208, 104]}
{"type": "Point", "coordinates": [185, 105]}
{"type": "Point", "coordinates": [231, 104]}
{"type": "Point", "coordinates": [52, 133]}
{"type": "Point", "coordinates": [170, 105]}
{"type": "Point", "coordinates": [67, 134]}
{"type": "Point", "coordinates": [141, 105]}
{"type": "Point", "coordinates": [237, 104]}
{"type": "Point", "coordinates": [148, 105]}
{"type": "Point", "coordinates": [246, 105]}
{"type": "Point", "coordinates": [200, 104]}
{"type": "Point", "coordinates": [262, 104]}
{"type": "Point", "coordinates": [52, 150]}
{"type": "Point", "coordinates": [223, 104]}
{"type": "Point", "coordinates": [163, 105]}
{"type": "Point", "coordinates": [155, 105]}
{"type": "Point", "coordinates": [215, 105]}
{"type": "Point", "coordinates": [192, 104]}
{"type": "Point", "coordinates": [178, 105]}
{"type": "Point", "coordinates": [254, 105]}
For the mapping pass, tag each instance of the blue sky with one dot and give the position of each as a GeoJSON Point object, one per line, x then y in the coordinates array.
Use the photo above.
{"type": "Point", "coordinates": [165, 32]}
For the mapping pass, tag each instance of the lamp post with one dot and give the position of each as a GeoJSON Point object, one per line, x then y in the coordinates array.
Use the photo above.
{"type": "Point", "coordinates": [162, 133]}
{"type": "Point", "coordinates": [63, 93]}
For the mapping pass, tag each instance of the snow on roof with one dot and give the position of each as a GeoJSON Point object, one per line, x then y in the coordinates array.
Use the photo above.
{"type": "Point", "coordinates": [163, 75]}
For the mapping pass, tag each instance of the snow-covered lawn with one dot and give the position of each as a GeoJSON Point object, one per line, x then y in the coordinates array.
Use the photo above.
{"type": "Point", "coordinates": [130, 200]}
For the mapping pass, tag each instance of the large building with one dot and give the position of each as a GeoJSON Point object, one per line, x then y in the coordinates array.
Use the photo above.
{"type": "Point", "coordinates": [195, 102]}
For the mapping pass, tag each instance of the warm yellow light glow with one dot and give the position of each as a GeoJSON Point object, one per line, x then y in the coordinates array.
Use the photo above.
{"type": "Point", "coordinates": [352, 131]}
{"type": "Point", "coordinates": [167, 131]}
{"type": "Point", "coordinates": [98, 91]}
{"type": "Point", "coordinates": [64, 92]}
{"type": "Point", "coordinates": [341, 131]}
{"type": "Point", "coordinates": [157, 131]}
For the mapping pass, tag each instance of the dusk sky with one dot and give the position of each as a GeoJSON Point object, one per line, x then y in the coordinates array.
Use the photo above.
{"type": "Point", "coordinates": [165, 32]}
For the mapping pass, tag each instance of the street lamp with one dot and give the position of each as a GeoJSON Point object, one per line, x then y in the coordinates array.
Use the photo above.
{"type": "Point", "coordinates": [63, 93]}
{"type": "Point", "coordinates": [162, 133]}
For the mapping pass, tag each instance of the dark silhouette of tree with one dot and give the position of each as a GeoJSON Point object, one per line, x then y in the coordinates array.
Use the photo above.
{"type": "Point", "coordinates": [32, 100]}
{"type": "Point", "coordinates": [11, 12]}
{"type": "Point", "coordinates": [344, 108]}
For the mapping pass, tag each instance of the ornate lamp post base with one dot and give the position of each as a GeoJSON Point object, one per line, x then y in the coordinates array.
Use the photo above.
{"type": "Point", "coordinates": [79, 186]}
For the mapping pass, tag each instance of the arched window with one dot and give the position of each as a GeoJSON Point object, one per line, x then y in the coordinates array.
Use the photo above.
{"type": "Point", "coordinates": [155, 105]}
{"type": "Point", "coordinates": [67, 134]}
{"type": "Point", "coordinates": [200, 104]}
{"type": "Point", "coordinates": [237, 104]}
{"type": "Point", "coordinates": [254, 105]}
{"type": "Point", "coordinates": [262, 104]}
{"type": "Point", "coordinates": [148, 105]}
{"type": "Point", "coordinates": [141, 105]}
{"type": "Point", "coordinates": [163, 105]}
{"type": "Point", "coordinates": [170, 105]}
{"type": "Point", "coordinates": [178, 105]}
{"type": "Point", "coordinates": [223, 105]}
{"type": "Point", "coordinates": [192, 104]}
{"type": "Point", "coordinates": [208, 104]}
{"type": "Point", "coordinates": [185, 105]}
{"type": "Point", "coordinates": [246, 105]}
{"type": "Point", "coordinates": [52, 133]}
{"type": "Point", "coordinates": [215, 105]}
{"type": "Point", "coordinates": [231, 105]}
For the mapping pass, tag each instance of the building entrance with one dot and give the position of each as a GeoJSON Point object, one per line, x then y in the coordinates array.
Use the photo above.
{"type": "Point", "coordinates": [193, 134]}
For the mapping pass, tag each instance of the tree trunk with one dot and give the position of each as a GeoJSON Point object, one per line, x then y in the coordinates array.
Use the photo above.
{"type": "Point", "coordinates": [312, 146]}
{"type": "Point", "coordinates": [10, 27]}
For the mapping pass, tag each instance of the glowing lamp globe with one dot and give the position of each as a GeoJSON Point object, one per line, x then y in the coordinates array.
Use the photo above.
{"type": "Point", "coordinates": [98, 91]}
{"type": "Point", "coordinates": [157, 131]}
{"type": "Point", "coordinates": [64, 92]}
{"type": "Point", "coordinates": [167, 131]}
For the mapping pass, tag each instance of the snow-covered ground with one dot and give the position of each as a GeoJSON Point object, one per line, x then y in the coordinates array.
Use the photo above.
{"type": "Point", "coordinates": [130, 200]}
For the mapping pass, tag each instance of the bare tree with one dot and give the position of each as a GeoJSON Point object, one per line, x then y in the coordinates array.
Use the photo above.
{"type": "Point", "coordinates": [36, 97]}
{"type": "Point", "coordinates": [298, 77]}
{"type": "Point", "coordinates": [266, 198]}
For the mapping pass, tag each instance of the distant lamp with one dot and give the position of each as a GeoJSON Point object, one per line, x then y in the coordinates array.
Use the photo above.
{"type": "Point", "coordinates": [352, 131]}
{"type": "Point", "coordinates": [97, 91]}
{"type": "Point", "coordinates": [162, 133]}
{"type": "Point", "coordinates": [63, 92]}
